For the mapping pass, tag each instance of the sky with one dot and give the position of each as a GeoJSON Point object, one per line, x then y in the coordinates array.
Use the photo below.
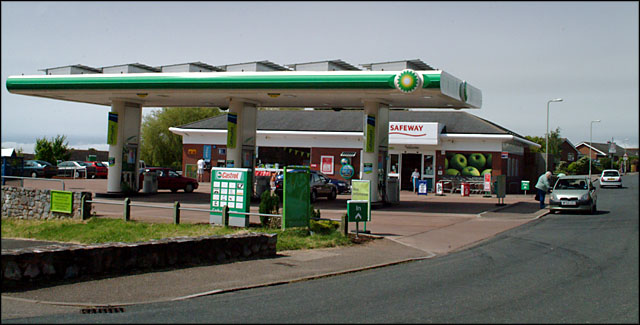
{"type": "Point", "coordinates": [519, 54]}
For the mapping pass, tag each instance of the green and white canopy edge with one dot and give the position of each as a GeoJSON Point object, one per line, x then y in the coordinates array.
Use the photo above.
{"type": "Point", "coordinates": [373, 91]}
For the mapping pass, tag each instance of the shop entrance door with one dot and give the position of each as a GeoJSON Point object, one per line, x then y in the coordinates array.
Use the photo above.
{"type": "Point", "coordinates": [410, 162]}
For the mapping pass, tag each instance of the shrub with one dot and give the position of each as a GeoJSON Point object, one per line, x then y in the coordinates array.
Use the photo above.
{"type": "Point", "coordinates": [323, 227]}
{"type": "Point", "coordinates": [269, 204]}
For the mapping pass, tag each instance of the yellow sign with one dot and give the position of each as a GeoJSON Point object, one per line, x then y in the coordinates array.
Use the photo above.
{"type": "Point", "coordinates": [61, 201]}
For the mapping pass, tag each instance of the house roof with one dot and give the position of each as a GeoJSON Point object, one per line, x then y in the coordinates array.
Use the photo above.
{"type": "Point", "coordinates": [455, 122]}
{"type": "Point", "coordinates": [603, 148]}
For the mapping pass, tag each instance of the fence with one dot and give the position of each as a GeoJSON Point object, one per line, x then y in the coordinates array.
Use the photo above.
{"type": "Point", "coordinates": [126, 203]}
{"type": "Point", "coordinates": [30, 178]}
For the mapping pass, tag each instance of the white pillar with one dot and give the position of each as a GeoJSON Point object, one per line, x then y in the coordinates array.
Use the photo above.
{"type": "Point", "coordinates": [115, 151]}
{"type": "Point", "coordinates": [378, 114]}
{"type": "Point", "coordinates": [128, 139]}
{"type": "Point", "coordinates": [243, 133]}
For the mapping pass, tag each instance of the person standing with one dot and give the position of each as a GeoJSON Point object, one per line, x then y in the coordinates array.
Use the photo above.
{"type": "Point", "coordinates": [414, 179]}
{"type": "Point", "coordinates": [543, 187]}
{"type": "Point", "coordinates": [200, 169]}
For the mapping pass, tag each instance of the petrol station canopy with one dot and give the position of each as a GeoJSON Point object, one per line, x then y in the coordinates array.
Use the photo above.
{"type": "Point", "coordinates": [298, 85]}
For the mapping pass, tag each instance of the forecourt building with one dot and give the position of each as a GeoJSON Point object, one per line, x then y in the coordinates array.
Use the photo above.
{"type": "Point", "coordinates": [427, 140]}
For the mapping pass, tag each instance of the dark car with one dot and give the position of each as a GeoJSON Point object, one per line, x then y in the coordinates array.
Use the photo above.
{"type": "Point", "coordinates": [101, 169]}
{"type": "Point", "coordinates": [169, 179]}
{"type": "Point", "coordinates": [319, 183]}
{"type": "Point", "coordinates": [39, 168]}
{"type": "Point", "coordinates": [342, 186]}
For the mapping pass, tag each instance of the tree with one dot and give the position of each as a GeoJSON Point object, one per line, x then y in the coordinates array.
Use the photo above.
{"type": "Point", "coordinates": [158, 145]}
{"type": "Point", "coordinates": [555, 141]}
{"type": "Point", "coordinates": [52, 150]}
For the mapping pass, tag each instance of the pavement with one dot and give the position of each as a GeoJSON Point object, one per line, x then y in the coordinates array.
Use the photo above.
{"type": "Point", "coordinates": [420, 227]}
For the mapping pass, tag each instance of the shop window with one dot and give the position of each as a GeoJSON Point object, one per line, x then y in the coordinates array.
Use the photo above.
{"type": "Point", "coordinates": [395, 165]}
{"type": "Point", "coordinates": [428, 165]}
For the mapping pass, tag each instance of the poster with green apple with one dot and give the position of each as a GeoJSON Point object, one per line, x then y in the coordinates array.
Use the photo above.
{"type": "Point", "coordinates": [475, 164]}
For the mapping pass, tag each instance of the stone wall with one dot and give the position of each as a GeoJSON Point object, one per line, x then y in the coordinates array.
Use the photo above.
{"type": "Point", "coordinates": [45, 265]}
{"type": "Point", "coordinates": [25, 203]}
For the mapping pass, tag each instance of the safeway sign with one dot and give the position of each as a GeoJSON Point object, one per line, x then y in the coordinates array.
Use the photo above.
{"type": "Point", "coordinates": [414, 133]}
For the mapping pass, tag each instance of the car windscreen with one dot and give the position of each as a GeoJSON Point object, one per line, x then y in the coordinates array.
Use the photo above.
{"type": "Point", "coordinates": [571, 184]}
{"type": "Point", "coordinates": [611, 173]}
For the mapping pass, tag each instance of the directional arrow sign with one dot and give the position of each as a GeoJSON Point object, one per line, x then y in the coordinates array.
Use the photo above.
{"type": "Point", "coordinates": [357, 211]}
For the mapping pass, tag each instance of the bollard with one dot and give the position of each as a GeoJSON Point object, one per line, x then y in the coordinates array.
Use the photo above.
{"type": "Point", "coordinates": [176, 212]}
{"type": "Point", "coordinates": [127, 209]}
{"type": "Point", "coordinates": [344, 225]}
{"type": "Point", "coordinates": [225, 216]}
{"type": "Point", "coordinates": [85, 208]}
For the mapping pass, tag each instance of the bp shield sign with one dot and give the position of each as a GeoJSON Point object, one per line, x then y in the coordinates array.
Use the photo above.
{"type": "Point", "coordinates": [357, 211]}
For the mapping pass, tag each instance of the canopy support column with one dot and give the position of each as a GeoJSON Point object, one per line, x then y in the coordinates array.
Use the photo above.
{"type": "Point", "coordinates": [241, 135]}
{"type": "Point", "coordinates": [375, 148]}
{"type": "Point", "coordinates": [124, 154]}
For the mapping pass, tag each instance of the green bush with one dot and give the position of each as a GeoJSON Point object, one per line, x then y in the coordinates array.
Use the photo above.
{"type": "Point", "coordinates": [269, 204]}
{"type": "Point", "coordinates": [323, 227]}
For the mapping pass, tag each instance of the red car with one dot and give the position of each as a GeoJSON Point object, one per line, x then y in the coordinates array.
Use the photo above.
{"type": "Point", "coordinates": [168, 179]}
{"type": "Point", "coordinates": [101, 169]}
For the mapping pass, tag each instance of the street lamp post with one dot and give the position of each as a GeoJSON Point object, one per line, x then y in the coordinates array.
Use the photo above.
{"type": "Point", "coordinates": [590, 137]}
{"type": "Point", "coordinates": [546, 158]}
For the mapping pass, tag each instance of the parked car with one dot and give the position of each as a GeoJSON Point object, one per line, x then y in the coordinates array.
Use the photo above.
{"type": "Point", "coordinates": [342, 186]}
{"type": "Point", "coordinates": [573, 193]}
{"type": "Point", "coordinates": [319, 183]}
{"type": "Point", "coordinates": [39, 168]}
{"type": "Point", "coordinates": [101, 169]}
{"type": "Point", "coordinates": [76, 168]}
{"type": "Point", "coordinates": [610, 177]}
{"type": "Point", "coordinates": [169, 179]}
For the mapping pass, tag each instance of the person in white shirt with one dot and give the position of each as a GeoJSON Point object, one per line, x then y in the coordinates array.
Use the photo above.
{"type": "Point", "coordinates": [200, 169]}
{"type": "Point", "coordinates": [414, 179]}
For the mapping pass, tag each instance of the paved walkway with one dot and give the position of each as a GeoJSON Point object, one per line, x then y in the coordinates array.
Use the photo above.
{"type": "Point", "coordinates": [419, 227]}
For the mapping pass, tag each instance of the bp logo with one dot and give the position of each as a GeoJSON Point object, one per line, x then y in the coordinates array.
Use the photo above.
{"type": "Point", "coordinates": [463, 92]}
{"type": "Point", "coordinates": [407, 81]}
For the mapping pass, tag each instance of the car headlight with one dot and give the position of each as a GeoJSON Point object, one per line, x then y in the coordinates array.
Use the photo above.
{"type": "Point", "coordinates": [584, 197]}
{"type": "Point", "coordinates": [554, 197]}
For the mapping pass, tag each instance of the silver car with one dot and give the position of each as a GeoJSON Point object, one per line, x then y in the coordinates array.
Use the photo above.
{"type": "Point", "coordinates": [573, 193]}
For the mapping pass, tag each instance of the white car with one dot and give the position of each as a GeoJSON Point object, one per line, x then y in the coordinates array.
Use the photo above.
{"type": "Point", "coordinates": [76, 169]}
{"type": "Point", "coordinates": [610, 177]}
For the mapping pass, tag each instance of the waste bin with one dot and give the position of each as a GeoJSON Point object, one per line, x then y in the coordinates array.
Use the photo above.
{"type": "Point", "coordinates": [393, 194]}
{"type": "Point", "coordinates": [150, 182]}
{"type": "Point", "coordinates": [464, 189]}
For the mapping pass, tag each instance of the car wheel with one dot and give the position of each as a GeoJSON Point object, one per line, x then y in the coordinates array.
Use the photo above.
{"type": "Point", "coordinates": [34, 175]}
{"type": "Point", "coordinates": [188, 188]}
{"type": "Point", "coordinates": [314, 196]}
{"type": "Point", "coordinates": [594, 209]}
{"type": "Point", "coordinates": [333, 195]}
{"type": "Point", "coordinates": [173, 190]}
{"type": "Point", "coordinates": [77, 174]}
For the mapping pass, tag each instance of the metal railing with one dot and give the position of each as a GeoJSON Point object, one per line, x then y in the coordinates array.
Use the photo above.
{"type": "Point", "coordinates": [31, 178]}
{"type": "Point", "coordinates": [176, 209]}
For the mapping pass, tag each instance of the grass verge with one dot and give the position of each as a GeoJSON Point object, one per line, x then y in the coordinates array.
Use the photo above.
{"type": "Point", "coordinates": [104, 230]}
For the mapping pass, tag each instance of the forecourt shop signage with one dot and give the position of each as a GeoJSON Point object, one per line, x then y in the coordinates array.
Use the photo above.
{"type": "Point", "coordinates": [414, 133]}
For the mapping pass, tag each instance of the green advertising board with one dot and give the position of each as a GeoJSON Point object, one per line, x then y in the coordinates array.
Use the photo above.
{"type": "Point", "coordinates": [296, 202]}
{"type": "Point", "coordinates": [232, 130]}
{"type": "Point", "coordinates": [370, 130]}
{"type": "Point", "coordinates": [358, 211]}
{"type": "Point", "coordinates": [230, 187]}
{"type": "Point", "coordinates": [524, 185]}
{"type": "Point", "coordinates": [112, 129]}
{"type": "Point", "coordinates": [61, 201]}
